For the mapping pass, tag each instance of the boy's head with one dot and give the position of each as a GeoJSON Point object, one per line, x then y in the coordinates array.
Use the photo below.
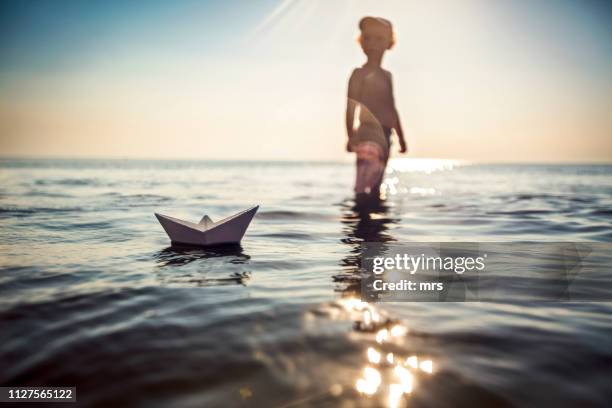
{"type": "Point", "coordinates": [376, 35]}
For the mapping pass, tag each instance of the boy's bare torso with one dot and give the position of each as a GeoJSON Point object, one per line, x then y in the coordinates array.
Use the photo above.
{"type": "Point", "coordinates": [372, 88]}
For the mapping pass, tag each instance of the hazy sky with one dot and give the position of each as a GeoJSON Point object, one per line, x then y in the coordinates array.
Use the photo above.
{"type": "Point", "coordinates": [477, 80]}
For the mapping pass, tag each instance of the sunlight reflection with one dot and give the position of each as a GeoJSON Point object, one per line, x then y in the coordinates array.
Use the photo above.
{"type": "Point", "coordinates": [427, 366]}
{"type": "Point", "coordinates": [395, 395]}
{"type": "Point", "coordinates": [375, 216]}
{"type": "Point", "coordinates": [370, 382]}
{"type": "Point", "coordinates": [427, 166]}
{"type": "Point", "coordinates": [389, 185]}
{"type": "Point", "coordinates": [382, 335]}
{"type": "Point", "coordinates": [367, 318]}
{"type": "Point", "coordinates": [422, 191]}
{"type": "Point", "coordinates": [396, 375]}
{"type": "Point", "coordinates": [352, 304]}
{"type": "Point", "coordinates": [398, 330]}
{"type": "Point", "coordinates": [405, 377]}
{"type": "Point", "coordinates": [373, 355]}
{"type": "Point", "coordinates": [413, 361]}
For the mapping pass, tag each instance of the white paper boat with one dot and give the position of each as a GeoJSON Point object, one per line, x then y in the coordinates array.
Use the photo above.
{"type": "Point", "coordinates": [229, 230]}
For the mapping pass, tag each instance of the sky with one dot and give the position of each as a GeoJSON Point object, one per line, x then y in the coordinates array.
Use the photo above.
{"type": "Point", "coordinates": [475, 80]}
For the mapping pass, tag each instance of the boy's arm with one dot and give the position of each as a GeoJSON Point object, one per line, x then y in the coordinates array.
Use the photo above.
{"type": "Point", "coordinates": [397, 124]}
{"type": "Point", "coordinates": [351, 105]}
{"type": "Point", "coordinates": [400, 133]}
{"type": "Point", "coordinates": [350, 116]}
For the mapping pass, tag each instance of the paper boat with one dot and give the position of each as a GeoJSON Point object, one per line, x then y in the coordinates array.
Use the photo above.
{"type": "Point", "coordinates": [229, 230]}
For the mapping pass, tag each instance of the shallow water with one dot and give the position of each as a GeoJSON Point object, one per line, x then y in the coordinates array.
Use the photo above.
{"type": "Point", "coordinates": [92, 296]}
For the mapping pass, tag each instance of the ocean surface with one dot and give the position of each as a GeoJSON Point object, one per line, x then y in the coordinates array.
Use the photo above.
{"type": "Point", "coordinates": [92, 294]}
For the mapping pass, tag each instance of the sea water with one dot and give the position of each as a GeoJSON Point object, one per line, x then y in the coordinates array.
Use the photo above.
{"type": "Point", "coordinates": [93, 296]}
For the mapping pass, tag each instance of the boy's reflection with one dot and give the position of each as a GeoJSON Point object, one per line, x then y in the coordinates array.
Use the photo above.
{"type": "Point", "coordinates": [365, 220]}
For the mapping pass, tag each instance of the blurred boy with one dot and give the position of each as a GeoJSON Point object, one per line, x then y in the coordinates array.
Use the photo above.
{"type": "Point", "coordinates": [371, 92]}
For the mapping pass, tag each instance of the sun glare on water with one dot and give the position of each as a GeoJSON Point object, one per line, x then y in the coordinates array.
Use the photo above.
{"type": "Point", "coordinates": [385, 373]}
{"type": "Point", "coordinates": [427, 166]}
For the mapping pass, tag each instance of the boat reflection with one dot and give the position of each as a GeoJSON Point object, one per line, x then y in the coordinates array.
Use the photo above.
{"type": "Point", "coordinates": [215, 266]}
{"type": "Point", "coordinates": [183, 255]}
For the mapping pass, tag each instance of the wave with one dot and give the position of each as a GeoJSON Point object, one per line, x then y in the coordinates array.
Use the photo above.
{"type": "Point", "coordinates": [24, 212]}
{"type": "Point", "coordinates": [67, 182]}
{"type": "Point", "coordinates": [291, 215]}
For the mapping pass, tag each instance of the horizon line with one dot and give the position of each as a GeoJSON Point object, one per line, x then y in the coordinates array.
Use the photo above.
{"type": "Point", "coordinates": [275, 160]}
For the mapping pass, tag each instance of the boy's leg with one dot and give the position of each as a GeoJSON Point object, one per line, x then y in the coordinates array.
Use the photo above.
{"type": "Point", "coordinates": [386, 160]}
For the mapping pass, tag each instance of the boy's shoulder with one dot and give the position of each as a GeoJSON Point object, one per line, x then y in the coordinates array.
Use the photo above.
{"type": "Point", "coordinates": [356, 77]}
{"type": "Point", "coordinates": [359, 71]}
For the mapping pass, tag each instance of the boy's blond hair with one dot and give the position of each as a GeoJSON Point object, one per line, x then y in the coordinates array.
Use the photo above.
{"type": "Point", "coordinates": [381, 22]}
